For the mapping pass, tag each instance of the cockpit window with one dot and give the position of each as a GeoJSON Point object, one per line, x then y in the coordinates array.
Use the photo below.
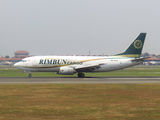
{"type": "Point", "coordinates": [23, 61]}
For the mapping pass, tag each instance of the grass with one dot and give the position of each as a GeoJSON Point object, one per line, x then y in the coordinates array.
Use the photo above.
{"type": "Point", "coordinates": [79, 102]}
{"type": "Point", "coordinates": [126, 72]}
{"type": "Point", "coordinates": [89, 102]}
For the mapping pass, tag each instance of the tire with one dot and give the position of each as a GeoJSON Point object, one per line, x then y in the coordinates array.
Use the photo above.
{"type": "Point", "coordinates": [30, 75]}
{"type": "Point", "coordinates": [81, 75]}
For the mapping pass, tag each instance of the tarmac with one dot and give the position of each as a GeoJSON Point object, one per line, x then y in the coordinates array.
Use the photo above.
{"type": "Point", "coordinates": [76, 80]}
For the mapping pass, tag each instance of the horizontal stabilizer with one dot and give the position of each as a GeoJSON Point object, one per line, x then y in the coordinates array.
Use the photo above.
{"type": "Point", "coordinates": [140, 59]}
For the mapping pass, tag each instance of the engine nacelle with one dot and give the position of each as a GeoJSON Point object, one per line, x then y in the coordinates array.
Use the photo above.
{"type": "Point", "coordinates": [66, 71]}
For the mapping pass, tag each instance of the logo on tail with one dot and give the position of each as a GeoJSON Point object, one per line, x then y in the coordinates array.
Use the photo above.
{"type": "Point", "coordinates": [138, 44]}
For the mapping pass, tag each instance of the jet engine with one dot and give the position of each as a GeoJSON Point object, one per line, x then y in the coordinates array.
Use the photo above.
{"type": "Point", "coordinates": [66, 71]}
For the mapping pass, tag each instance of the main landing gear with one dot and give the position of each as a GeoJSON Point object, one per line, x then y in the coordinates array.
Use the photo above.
{"type": "Point", "coordinates": [30, 75]}
{"type": "Point", "coordinates": [81, 74]}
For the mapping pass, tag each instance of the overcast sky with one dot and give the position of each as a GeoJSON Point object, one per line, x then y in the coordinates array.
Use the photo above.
{"type": "Point", "coordinates": [67, 27]}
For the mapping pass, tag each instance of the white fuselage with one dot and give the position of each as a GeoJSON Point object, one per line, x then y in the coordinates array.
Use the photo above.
{"type": "Point", "coordinates": [54, 63]}
{"type": "Point", "coordinates": [68, 65]}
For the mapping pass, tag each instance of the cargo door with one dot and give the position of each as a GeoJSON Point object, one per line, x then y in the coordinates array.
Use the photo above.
{"type": "Point", "coordinates": [116, 64]}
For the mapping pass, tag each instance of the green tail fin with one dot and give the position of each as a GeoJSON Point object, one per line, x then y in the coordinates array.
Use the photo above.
{"type": "Point", "coordinates": [135, 49]}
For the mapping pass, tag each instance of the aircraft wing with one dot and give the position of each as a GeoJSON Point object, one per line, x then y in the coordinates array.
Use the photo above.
{"type": "Point", "coordinates": [87, 68]}
{"type": "Point", "coordinates": [140, 59]}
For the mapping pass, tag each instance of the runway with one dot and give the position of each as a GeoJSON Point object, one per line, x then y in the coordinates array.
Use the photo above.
{"type": "Point", "coordinates": [75, 80]}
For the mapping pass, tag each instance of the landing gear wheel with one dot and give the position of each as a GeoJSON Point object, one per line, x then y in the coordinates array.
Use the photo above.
{"type": "Point", "coordinates": [30, 75]}
{"type": "Point", "coordinates": [81, 75]}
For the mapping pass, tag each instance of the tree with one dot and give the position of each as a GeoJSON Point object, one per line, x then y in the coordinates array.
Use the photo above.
{"type": "Point", "coordinates": [7, 56]}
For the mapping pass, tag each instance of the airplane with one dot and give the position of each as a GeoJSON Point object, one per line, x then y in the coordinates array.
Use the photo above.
{"type": "Point", "coordinates": [69, 65]}
{"type": "Point", "coordinates": [7, 63]}
{"type": "Point", "coordinates": [153, 63]}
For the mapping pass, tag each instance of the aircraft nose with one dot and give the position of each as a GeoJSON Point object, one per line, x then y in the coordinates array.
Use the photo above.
{"type": "Point", "coordinates": [16, 65]}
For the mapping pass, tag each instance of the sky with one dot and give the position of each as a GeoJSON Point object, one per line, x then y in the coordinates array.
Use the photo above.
{"type": "Point", "coordinates": [68, 27]}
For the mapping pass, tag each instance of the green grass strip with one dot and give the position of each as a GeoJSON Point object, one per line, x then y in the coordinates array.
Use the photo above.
{"type": "Point", "coordinates": [125, 72]}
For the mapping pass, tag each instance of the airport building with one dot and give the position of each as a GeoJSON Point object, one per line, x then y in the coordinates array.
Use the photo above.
{"type": "Point", "coordinates": [152, 60]}
{"type": "Point", "coordinates": [19, 55]}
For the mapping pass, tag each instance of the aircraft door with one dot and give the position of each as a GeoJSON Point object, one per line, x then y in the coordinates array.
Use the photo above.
{"type": "Point", "coordinates": [116, 64]}
{"type": "Point", "coordinates": [34, 62]}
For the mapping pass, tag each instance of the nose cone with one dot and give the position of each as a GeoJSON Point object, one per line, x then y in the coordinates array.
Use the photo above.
{"type": "Point", "coordinates": [16, 65]}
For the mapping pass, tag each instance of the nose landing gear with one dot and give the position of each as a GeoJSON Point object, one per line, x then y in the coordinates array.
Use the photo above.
{"type": "Point", "coordinates": [81, 75]}
{"type": "Point", "coordinates": [30, 75]}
